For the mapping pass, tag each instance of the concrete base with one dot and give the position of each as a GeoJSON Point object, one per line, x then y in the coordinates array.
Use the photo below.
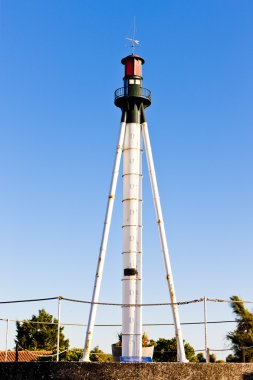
{"type": "Point", "coordinates": [125, 371]}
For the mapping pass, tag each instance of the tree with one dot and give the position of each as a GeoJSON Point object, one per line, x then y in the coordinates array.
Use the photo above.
{"type": "Point", "coordinates": [166, 351]}
{"type": "Point", "coordinates": [230, 358]}
{"type": "Point", "coordinates": [73, 355]}
{"type": "Point", "coordinates": [40, 333]}
{"type": "Point", "coordinates": [242, 337]}
{"type": "Point", "coordinates": [97, 355]}
{"type": "Point", "coordinates": [201, 358]}
{"type": "Point", "coordinates": [212, 358]}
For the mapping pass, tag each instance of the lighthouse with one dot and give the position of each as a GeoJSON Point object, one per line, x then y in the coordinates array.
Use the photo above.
{"type": "Point", "coordinates": [132, 98]}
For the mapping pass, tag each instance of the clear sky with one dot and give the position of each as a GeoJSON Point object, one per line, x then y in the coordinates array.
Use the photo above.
{"type": "Point", "coordinates": [59, 67]}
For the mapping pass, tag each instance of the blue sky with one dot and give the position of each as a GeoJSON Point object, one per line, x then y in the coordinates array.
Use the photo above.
{"type": "Point", "coordinates": [59, 67]}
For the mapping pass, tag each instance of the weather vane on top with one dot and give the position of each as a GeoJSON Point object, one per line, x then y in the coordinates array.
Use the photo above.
{"type": "Point", "coordinates": [134, 43]}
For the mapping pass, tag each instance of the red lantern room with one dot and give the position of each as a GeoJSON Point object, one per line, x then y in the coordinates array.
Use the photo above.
{"type": "Point", "coordinates": [133, 65]}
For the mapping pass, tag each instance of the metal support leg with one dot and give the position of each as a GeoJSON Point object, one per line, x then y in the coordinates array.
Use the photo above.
{"type": "Point", "coordinates": [105, 235]}
{"type": "Point", "coordinates": [158, 209]}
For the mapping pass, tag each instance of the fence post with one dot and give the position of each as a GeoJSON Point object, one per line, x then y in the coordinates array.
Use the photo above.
{"type": "Point", "coordinates": [205, 322]}
{"type": "Point", "coordinates": [6, 340]}
{"type": "Point", "coordinates": [16, 353]}
{"type": "Point", "coordinates": [59, 328]}
{"type": "Point", "coordinates": [208, 355]}
{"type": "Point", "coordinates": [243, 355]}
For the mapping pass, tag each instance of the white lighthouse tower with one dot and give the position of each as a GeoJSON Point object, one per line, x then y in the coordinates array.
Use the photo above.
{"type": "Point", "coordinates": [132, 99]}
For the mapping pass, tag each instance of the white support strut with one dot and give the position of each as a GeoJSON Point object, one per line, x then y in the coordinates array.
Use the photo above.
{"type": "Point", "coordinates": [103, 247]}
{"type": "Point", "coordinates": [158, 209]}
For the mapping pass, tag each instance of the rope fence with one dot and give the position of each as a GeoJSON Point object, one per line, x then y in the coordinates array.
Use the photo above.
{"type": "Point", "coordinates": [60, 298]}
{"type": "Point", "coordinates": [113, 325]}
{"type": "Point", "coordinates": [59, 323]}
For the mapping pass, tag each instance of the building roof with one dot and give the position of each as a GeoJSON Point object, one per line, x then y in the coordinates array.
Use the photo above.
{"type": "Point", "coordinates": [23, 356]}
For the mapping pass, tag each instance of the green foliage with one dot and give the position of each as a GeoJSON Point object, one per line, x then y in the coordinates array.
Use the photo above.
{"type": "Point", "coordinates": [212, 358]}
{"type": "Point", "coordinates": [166, 351]}
{"type": "Point", "coordinates": [201, 358]}
{"type": "Point", "coordinates": [119, 342]}
{"type": "Point", "coordinates": [190, 353]}
{"type": "Point", "coordinates": [73, 355]}
{"type": "Point", "coordinates": [231, 359]}
{"type": "Point", "coordinates": [242, 337]}
{"type": "Point", "coordinates": [146, 342]}
{"type": "Point", "coordinates": [97, 355]}
{"type": "Point", "coordinates": [40, 335]}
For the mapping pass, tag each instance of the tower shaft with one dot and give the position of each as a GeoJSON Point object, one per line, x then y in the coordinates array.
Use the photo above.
{"type": "Point", "coordinates": [132, 242]}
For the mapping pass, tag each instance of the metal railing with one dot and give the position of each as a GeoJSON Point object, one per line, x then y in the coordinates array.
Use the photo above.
{"type": "Point", "coordinates": [123, 91]}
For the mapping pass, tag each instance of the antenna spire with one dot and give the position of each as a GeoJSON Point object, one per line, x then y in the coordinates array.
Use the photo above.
{"type": "Point", "coordinates": [134, 43]}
